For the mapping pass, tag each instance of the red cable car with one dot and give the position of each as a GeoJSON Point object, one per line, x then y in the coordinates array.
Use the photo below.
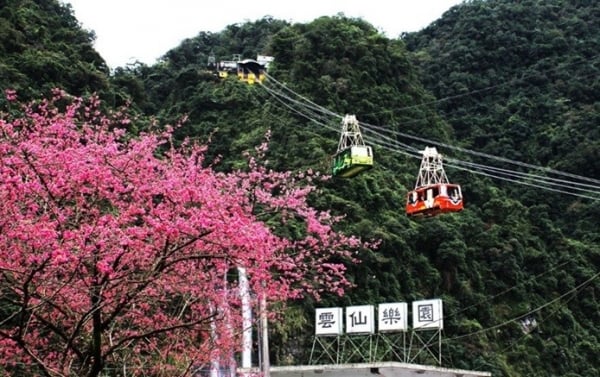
{"type": "Point", "coordinates": [433, 194]}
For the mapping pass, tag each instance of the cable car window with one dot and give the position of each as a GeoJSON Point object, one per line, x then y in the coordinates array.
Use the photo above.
{"type": "Point", "coordinates": [453, 192]}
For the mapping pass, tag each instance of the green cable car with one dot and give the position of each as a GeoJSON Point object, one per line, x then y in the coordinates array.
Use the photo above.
{"type": "Point", "coordinates": [353, 156]}
{"type": "Point", "coordinates": [352, 160]}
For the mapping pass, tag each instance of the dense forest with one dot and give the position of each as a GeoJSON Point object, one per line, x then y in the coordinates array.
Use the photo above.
{"type": "Point", "coordinates": [513, 80]}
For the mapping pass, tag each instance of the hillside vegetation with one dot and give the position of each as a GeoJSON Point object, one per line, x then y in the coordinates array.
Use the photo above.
{"type": "Point", "coordinates": [42, 47]}
{"type": "Point", "coordinates": [517, 80]}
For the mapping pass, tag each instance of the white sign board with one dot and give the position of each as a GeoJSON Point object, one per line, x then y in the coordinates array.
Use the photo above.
{"type": "Point", "coordinates": [392, 317]}
{"type": "Point", "coordinates": [427, 314]}
{"type": "Point", "coordinates": [360, 319]}
{"type": "Point", "coordinates": [329, 321]}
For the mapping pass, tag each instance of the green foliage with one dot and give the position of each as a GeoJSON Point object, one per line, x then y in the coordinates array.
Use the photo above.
{"type": "Point", "coordinates": [495, 261]}
{"type": "Point", "coordinates": [520, 80]}
{"type": "Point", "coordinates": [42, 47]}
{"type": "Point", "coordinates": [512, 79]}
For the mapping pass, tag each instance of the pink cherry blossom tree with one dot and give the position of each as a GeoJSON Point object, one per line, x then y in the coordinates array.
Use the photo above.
{"type": "Point", "coordinates": [121, 252]}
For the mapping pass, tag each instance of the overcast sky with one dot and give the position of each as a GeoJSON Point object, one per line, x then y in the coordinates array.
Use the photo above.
{"type": "Point", "coordinates": [144, 30]}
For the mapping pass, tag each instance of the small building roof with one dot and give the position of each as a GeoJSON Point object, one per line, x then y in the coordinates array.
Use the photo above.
{"type": "Point", "coordinates": [384, 369]}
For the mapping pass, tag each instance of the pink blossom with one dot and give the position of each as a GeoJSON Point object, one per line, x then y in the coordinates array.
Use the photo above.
{"type": "Point", "coordinates": [11, 95]}
{"type": "Point", "coordinates": [110, 242]}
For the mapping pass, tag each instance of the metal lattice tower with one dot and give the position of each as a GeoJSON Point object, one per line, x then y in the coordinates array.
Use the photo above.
{"type": "Point", "coordinates": [431, 170]}
{"type": "Point", "coordinates": [351, 135]}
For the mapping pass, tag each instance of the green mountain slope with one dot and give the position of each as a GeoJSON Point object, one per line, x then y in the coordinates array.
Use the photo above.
{"type": "Point", "coordinates": [42, 46]}
{"type": "Point", "coordinates": [520, 80]}
{"type": "Point", "coordinates": [511, 79]}
{"type": "Point", "coordinates": [508, 254]}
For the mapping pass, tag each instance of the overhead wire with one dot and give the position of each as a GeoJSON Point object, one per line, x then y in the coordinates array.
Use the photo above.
{"type": "Point", "coordinates": [538, 323]}
{"type": "Point", "coordinates": [308, 113]}
{"type": "Point", "coordinates": [313, 105]}
{"type": "Point", "coordinates": [506, 291]}
{"type": "Point", "coordinates": [373, 129]}
{"type": "Point", "coordinates": [575, 187]}
{"type": "Point", "coordinates": [326, 117]}
{"type": "Point", "coordinates": [532, 311]}
{"type": "Point", "coordinates": [521, 316]}
{"type": "Point", "coordinates": [579, 186]}
{"type": "Point", "coordinates": [561, 185]}
{"type": "Point", "coordinates": [564, 186]}
{"type": "Point", "coordinates": [459, 162]}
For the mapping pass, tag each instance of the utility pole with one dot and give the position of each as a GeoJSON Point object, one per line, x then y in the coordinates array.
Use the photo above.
{"type": "Point", "coordinates": [246, 319]}
{"type": "Point", "coordinates": [266, 365]}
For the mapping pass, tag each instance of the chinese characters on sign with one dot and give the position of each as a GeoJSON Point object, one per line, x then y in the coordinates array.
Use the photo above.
{"type": "Point", "coordinates": [328, 321]}
{"type": "Point", "coordinates": [391, 317]}
{"type": "Point", "coordinates": [427, 314]}
{"type": "Point", "coordinates": [360, 319]}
